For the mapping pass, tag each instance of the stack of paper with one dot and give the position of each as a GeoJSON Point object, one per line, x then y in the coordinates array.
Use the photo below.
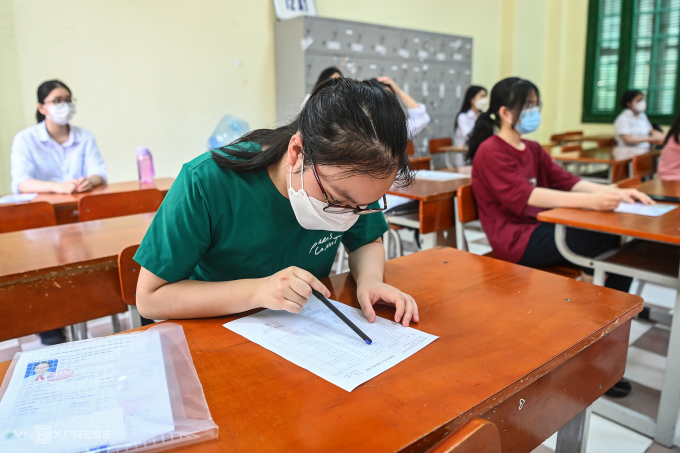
{"type": "Point", "coordinates": [439, 175]}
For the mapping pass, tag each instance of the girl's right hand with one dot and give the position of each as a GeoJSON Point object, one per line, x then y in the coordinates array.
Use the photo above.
{"type": "Point", "coordinates": [608, 200]}
{"type": "Point", "coordinates": [288, 290]}
{"type": "Point", "coordinates": [67, 187]}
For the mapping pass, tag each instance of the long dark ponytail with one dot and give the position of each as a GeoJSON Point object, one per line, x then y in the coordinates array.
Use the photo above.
{"type": "Point", "coordinates": [359, 126]}
{"type": "Point", "coordinates": [511, 93]}
{"type": "Point", "coordinates": [470, 94]}
{"type": "Point", "coordinates": [44, 90]}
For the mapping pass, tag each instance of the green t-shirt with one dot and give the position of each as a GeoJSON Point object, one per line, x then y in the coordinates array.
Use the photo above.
{"type": "Point", "coordinates": [217, 224]}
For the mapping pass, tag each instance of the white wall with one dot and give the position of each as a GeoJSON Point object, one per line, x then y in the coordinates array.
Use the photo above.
{"type": "Point", "coordinates": [161, 73]}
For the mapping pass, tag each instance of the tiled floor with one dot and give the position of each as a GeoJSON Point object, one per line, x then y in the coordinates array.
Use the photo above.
{"type": "Point", "coordinates": [646, 361]}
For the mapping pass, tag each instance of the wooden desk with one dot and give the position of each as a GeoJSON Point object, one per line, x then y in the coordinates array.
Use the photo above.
{"type": "Point", "coordinates": [524, 349]}
{"type": "Point", "coordinates": [66, 205]}
{"type": "Point", "coordinates": [656, 262]}
{"type": "Point", "coordinates": [660, 187]}
{"type": "Point", "coordinates": [72, 265]}
{"type": "Point", "coordinates": [436, 207]}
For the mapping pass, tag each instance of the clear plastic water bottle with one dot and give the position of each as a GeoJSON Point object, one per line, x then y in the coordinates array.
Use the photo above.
{"type": "Point", "coordinates": [145, 165]}
{"type": "Point", "coordinates": [228, 130]}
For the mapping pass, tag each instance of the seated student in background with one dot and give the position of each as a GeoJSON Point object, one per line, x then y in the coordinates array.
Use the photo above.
{"type": "Point", "coordinates": [259, 222]}
{"type": "Point", "coordinates": [474, 102]}
{"type": "Point", "coordinates": [331, 72]}
{"type": "Point", "coordinates": [515, 179]}
{"type": "Point", "coordinates": [54, 156]}
{"type": "Point", "coordinates": [418, 119]}
{"type": "Point", "coordinates": [669, 162]}
{"type": "Point", "coordinates": [634, 132]}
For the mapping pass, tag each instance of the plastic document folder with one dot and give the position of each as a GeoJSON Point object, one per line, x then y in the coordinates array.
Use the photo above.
{"type": "Point", "coordinates": [130, 392]}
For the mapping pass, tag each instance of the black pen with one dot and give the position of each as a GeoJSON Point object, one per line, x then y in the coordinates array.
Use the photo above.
{"type": "Point", "coordinates": [330, 305]}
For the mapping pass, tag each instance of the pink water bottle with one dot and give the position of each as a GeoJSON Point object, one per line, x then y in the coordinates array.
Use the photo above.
{"type": "Point", "coordinates": [145, 165]}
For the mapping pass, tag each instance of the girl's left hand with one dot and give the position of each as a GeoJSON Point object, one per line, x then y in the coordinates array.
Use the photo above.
{"type": "Point", "coordinates": [84, 184]}
{"type": "Point", "coordinates": [374, 291]}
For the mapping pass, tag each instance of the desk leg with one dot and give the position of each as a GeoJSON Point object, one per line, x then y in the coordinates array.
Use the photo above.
{"type": "Point", "coordinates": [670, 400]}
{"type": "Point", "coordinates": [573, 436]}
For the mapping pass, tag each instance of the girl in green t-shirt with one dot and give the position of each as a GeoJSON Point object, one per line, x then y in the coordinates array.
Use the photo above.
{"type": "Point", "coordinates": [258, 222]}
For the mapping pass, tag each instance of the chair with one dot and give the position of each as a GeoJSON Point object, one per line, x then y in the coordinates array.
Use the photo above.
{"type": "Point", "coordinates": [645, 165]}
{"type": "Point", "coordinates": [435, 145]}
{"type": "Point", "coordinates": [566, 137]}
{"type": "Point", "coordinates": [25, 216]}
{"type": "Point", "coordinates": [616, 170]}
{"type": "Point", "coordinates": [630, 183]}
{"type": "Point", "coordinates": [128, 272]}
{"type": "Point", "coordinates": [572, 150]}
{"type": "Point", "coordinates": [466, 212]}
{"type": "Point", "coordinates": [103, 206]}
{"type": "Point", "coordinates": [410, 149]}
{"type": "Point", "coordinates": [420, 163]}
{"type": "Point", "coordinates": [478, 436]}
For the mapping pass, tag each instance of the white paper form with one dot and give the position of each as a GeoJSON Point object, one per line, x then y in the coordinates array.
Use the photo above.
{"type": "Point", "coordinates": [87, 396]}
{"type": "Point", "coordinates": [641, 209]}
{"type": "Point", "coordinates": [317, 340]}
{"type": "Point", "coordinates": [432, 175]}
{"type": "Point", "coordinates": [17, 198]}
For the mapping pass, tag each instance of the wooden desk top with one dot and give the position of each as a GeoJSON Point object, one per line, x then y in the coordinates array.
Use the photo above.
{"type": "Point", "coordinates": [501, 327]}
{"type": "Point", "coordinates": [424, 190]}
{"type": "Point", "coordinates": [659, 187]}
{"type": "Point", "coordinates": [56, 199]}
{"type": "Point", "coordinates": [665, 228]}
{"type": "Point", "coordinates": [70, 244]}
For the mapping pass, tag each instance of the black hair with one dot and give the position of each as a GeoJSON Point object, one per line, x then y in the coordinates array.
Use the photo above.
{"type": "Point", "coordinates": [327, 74]}
{"type": "Point", "coordinates": [44, 90]}
{"type": "Point", "coordinates": [357, 125]}
{"type": "Point", "coordinates": [674, 131]}
{"type": "Point", "coordinates": [470, 94]}
{"type": "Point", "coordinates": [511, 93]}
{"type": "Point", "coordinates": [629, 96]}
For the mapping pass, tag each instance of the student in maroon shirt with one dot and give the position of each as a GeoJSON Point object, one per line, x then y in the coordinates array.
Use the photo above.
{"type": "Point", "coordinates": [515, 179]}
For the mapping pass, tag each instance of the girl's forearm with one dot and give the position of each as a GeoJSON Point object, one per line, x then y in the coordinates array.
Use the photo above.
{"type": "Point", "coordinates": [368, 262]}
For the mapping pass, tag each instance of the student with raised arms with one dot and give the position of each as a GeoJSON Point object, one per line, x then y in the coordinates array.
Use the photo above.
{"type": "Point", "coordinates": [258, 223]}
{"type": "Point", "coordinates": [514, 179]}
{"type": "Point", "coordinates": [55, 156]}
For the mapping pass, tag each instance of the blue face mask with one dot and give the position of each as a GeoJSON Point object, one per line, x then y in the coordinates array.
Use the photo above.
{"type": "Point", "coordinates": [529, 120]}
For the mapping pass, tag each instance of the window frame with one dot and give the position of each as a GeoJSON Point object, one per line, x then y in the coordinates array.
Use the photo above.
{"type": "Point", "coordinates": [623, 71]}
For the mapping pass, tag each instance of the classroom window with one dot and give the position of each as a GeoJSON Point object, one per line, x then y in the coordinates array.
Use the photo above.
{"type": "Point", "coordinates": [632, 44]}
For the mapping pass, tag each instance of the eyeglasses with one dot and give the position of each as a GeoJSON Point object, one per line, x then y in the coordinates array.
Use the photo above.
{"type": "Point", "coordinates": [60, 100]}
{"type": "Point", "coordinates": [334, 208]}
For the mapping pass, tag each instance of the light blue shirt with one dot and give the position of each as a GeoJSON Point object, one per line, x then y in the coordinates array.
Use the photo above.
{"type": "Point", "coordinates": [35, 155]}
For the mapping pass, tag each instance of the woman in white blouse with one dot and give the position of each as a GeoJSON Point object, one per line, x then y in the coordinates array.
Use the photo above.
{"type": "Point", "coordinates": [474, 103]}
{"type": "Point", "coordinates": [417, 119]}
{"type": "Point", "coordinates": [634, 132]}
{"type": "Point", "coordinates": [54, 156]}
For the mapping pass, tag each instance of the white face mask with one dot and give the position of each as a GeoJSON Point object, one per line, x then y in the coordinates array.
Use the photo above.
{"type": "Point", "coordinates": [61, 113]}
{"type": "Point", "coordinates": [482, 104]}
{"type": "Point", "coordinates": [640, 107]}
{"type": "Point", "coordinates": [309, 211]}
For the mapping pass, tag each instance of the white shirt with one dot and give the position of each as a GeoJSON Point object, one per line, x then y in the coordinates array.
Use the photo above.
{"type": "Point", "coordinates": [417, 120]}
{"type": "Point", "coordinates": [466, 122]}
{"type": "Point", "coordinates": [35, 155]}
{"type": "Point", "coordinates": [627, 123]}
